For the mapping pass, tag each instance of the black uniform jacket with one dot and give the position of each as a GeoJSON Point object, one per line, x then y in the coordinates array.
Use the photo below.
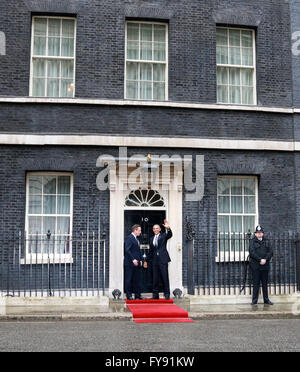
{"type": "Point", "coordinates": [160, 252]}
{"type": "Point", "coordinates": [132, 250]}
{"type": "Point", "coordinates": [258, 250]}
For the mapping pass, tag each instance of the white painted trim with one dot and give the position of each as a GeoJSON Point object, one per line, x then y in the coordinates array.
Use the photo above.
{"type": "Point", "coordinates": [173, 210]}
{"type": "Point", "coordinates": [163, 142]}
{"type": "Point", "coordinates": [119, 102]}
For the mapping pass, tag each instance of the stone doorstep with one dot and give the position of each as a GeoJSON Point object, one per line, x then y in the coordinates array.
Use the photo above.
{"type": "Point", "coordinates": [239, 300]}
{"type": "Point", "coordinates": [128, 316]}
{"type": "Point", "coordinates": [54, 301]}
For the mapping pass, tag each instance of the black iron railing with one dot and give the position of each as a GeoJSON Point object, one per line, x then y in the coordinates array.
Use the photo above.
{"type": "Point", "coordinates": [220, 264]}
{"type": "Point", "coordinates": [48, 265]}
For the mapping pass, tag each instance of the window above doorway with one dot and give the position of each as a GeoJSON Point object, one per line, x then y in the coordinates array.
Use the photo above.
{"type": "Point", "coordinates": [146, 65]}
{"type": "Point", "coordinates": [144, 199]}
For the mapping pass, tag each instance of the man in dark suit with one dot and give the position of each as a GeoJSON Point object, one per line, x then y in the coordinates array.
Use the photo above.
{"type": "Point", "coordinates": [160, 258]}
{"type": "Point", "coordinates": [260, 253]}
{"type": "Point", "coordinates": [133, 261]}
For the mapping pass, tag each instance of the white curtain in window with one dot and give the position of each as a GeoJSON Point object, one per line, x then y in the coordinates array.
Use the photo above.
{"type": "Point", "coordinates": [146, 42]}
{"type": "Point", "coordinates": [53, 38]}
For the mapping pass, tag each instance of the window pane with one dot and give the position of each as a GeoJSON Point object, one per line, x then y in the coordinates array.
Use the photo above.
{"type": "Point", "coordinates": [67, 47]}
{"type": "Point", "coordinates": [249, 223]}
{"type": "Point", "coordinates": [35, 185]}
{"type": "Point", "coordinates": [53, 46]}
{"type": "Point", "coordinates": [132, 71]}
{"type": "Point", "coordinates": [247, 96]}
{"type": "Point", "coordinates": [49, 184]}
{"type": "Point", "coordinates": [49, 204]}
{"type": "Point", "coordinates": [63, 205]}
{"type": "Point", "coordinates": [39, 46]}
{"type": "Point", "coordinates": [234, 38]}
{"type": "Point", "coordinates": [236, 204]}
{"type": "Point", "coordinates": [35, 225]}
{"type": "Point", "coordinates": [49, 224]}
{"type": "Point", "coordinates": [159, 72]}
{"type": "Point", "coordinates": [38, 88]}
{"type": "Point", "coordinates": [222, 94]}
{"type": "Point", "coordinates": [235, 56]}
{"type": "Point", "coordinates": [67, 69]}
{"type": "Point", "coordinates": [53, 88]}
{"type": "Point", "coordinates": [146, 72]}
{"type": "Point", "coordinates": [54, 69]}
{"type": "Point", "coordinates": [146, 91]}
{"type": "Point", "coordinates": [223, 186]}
{"type": "Point", "coordinates": [132, 50]}
{"type": "Point", "coordinates": [247, 77]}
{"type": "Point", "coordinates": [146, 32]}
{"type": "Point", "coordinates": [222, 55]}
{"type": "Point", "coordinates": [131, 90]}
{"type": "Point", "coordinates": [249, 186]}
{"type": "Point", "coordinates": [247, 57]}
{"type": "Point", "coordinates": [223, 224]}
{"type": "Point", "coordinates": [35, 204]}
{"type": "Point", "coordinates": [159, 91]}
{"type": "Point", "coordinates": [67, 88]}
{"type": "Point", "coordinates": [132, 31]}
{"type": "Point", "coordinates": [146, 51]}
{"type": "Point", "coordinates": [224, 204]}
{"type": "Point", "coordinates": [236, 224]}
{"type": "Point", "coordinates": [234, 76]}
{"type": "Point", "coordinates": [68, 27]}
{"type": "Point", "coordinates": [63, 225]}
{"type": "Point", "coordinates": [54, 27]}
{"type": "Point", "coordinates": [235, 94]}
{"type": "Point", "coordinates": [159, 33]}
{"type": "Point", "coordinates": [222, 75]}
{"type": "Point", "coordinates": [249, 204]}
{"type": "Point", "coordinates": [247, 39]}
{"type": "Point", "coordinates": [236, 186]}
{"type": "Point", "coordinates": [40, 26]}
{"type": "Point", "coordinates": [159, 52]}
{"type": "Point", "coordinates": [64, 185]}
{"type": "Point", "coordinates": [39, 68]}
{"type": "Point", "coordinates": [222, 38]}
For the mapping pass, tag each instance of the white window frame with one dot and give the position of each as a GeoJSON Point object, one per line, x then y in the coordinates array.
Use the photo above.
{"type": "Point", "coordinates": [152, 62]}
{"type": "Point", "coordinates": [32, 56]}
{"type": "Point", "coordinates": [42, 258]}
{"type": "Point", "coordinates": [232, 255]}
{"type": "Point", "coordinates": [240, 67]}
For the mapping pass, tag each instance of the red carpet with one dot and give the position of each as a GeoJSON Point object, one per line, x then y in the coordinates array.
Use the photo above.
{"type": "Point", "coordinates": [157, 311]}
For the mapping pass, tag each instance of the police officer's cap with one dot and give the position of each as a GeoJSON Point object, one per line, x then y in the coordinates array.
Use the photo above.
{"type": "Point", "coordinates": [259, 229]}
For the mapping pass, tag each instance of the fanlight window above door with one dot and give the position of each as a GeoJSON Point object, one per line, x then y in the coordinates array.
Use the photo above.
{"type": "Point", "coordinates": [144, 198]}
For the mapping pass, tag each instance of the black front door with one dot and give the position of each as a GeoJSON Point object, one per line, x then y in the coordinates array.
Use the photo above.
{"type": "Point", "coordinates": [145, 218]}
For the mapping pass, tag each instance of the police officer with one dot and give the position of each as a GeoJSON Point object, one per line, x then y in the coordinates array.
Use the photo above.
{"type": "Point", "coordinates": [260, 256]}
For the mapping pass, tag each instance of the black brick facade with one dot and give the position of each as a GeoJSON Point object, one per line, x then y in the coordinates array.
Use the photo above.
{"type": "Point", "coordinates": [192, 78]}
{"type": "Point", "coordinates": [192, 45]}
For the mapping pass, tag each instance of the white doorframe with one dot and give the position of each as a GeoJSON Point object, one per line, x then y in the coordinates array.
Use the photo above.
{"type": "Point", "coordinates": [116, 248]}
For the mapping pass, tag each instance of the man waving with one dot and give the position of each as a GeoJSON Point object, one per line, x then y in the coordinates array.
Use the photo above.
{"type": "Point", "coordinates": [160, 258]}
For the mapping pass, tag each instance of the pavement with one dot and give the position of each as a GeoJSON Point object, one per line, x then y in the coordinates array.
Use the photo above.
{"type": "Point", "coordinates": [156, 340]}
{"type": "Point", "coordinates": [117, 311]}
